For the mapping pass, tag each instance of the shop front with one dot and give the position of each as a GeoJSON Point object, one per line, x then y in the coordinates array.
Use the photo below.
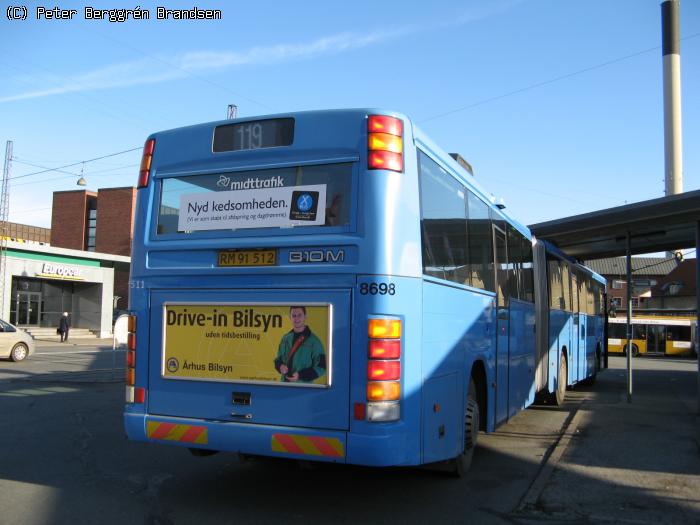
{"type": "Point", "coordinates": [42, 282]}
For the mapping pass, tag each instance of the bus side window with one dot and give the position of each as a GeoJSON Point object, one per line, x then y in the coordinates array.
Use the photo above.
{"type": "Point", "coordinates": [515, 266]}
{"type": "Point", "coordinates": [566, 285]}
{"type": "Point", "coordinates": [443, 223]}
{"type": "Point", "coordinates": [528, 277]}
{"type": "Point", "coordinates": [556, 293]}
{"type": "Point", "coordinates": [480, 262]}
{"type": "Point", "coordinates": [502, 274]}
{"type": "Point", "coordinates": [616, 331]}
{"type": "Point", "coordinates": [597, 293]}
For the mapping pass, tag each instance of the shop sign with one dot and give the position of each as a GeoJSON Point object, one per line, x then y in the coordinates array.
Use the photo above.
{"type": "Point", "coordinates": [60, 271]}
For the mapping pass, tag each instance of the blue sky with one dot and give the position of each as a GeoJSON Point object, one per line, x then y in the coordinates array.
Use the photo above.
{"type": "Point", "coordinates": [483, 78]}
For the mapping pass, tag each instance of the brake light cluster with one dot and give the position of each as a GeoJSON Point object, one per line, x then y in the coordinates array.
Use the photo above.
{"type": "Point", "coordinates": [384, 370]}
{"type": "Point", "coordinates": [385, 143]}
{"type": "Point", "coordinates": [146, 159]}
{"type": "Point", "coordinates": [134, 394]}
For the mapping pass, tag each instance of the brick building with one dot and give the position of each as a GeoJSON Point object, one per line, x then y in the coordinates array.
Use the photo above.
{"type": "Point", "coordinates": [101, 221]}
{"type": "Point", "coordinates": [647, 272]}
{"type": "Point", "coordinates": [12, 231]}
{"type": "Point", "coordinates": [677, 290]}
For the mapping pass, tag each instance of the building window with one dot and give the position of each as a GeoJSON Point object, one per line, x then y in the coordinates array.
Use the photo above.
{"type": "Point", "coordinates": [616, 302]}
{"type": "Point", "coordinates": [92, 229]}
{"type": "Point", "coordinates": [617, 284]}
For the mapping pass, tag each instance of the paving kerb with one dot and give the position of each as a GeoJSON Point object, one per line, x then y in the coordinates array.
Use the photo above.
{"type": "Point", "coordinates": [550, 462]}
{"type": "Point", "coordinates": [100, 343]}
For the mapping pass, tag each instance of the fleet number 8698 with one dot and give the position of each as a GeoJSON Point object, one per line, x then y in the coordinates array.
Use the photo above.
{"type": "Point", "coordinates": [377, 289]}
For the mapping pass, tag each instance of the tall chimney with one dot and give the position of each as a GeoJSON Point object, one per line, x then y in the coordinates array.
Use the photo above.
{"type": "Point", "coordinates": [673, 140]}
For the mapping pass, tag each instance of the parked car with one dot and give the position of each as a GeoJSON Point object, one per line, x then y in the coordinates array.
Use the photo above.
{"type": "Point", "coordinates": [15, 343]}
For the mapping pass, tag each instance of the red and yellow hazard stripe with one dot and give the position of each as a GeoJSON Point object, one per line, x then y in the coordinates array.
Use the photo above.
{"type": "Point", "coordinates": [307, 445]}
{"type": "Point", "coordinates": [173, 432]}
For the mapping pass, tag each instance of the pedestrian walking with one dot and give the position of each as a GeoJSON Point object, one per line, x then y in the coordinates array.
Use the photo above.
{"type": "Point", "coordinates": [64, 327]}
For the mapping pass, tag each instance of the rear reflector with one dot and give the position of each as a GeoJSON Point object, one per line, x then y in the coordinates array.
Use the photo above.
{"type": "Point", "coordinates": [130, 358]}
{"type": "Point", "coordinates": [383, 390]}
{"type": "Point", "coordinates": [131, 341]}
{"type": "Point", "coordinates": [359, 411]}
{"type": "Point", "coordinates": [139, 395]}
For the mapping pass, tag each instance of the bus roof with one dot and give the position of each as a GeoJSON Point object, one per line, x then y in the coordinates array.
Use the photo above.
{"type": "Point", "coordinates": [554, 250]}
{"type": "Point", "coordinates": [454, 167]}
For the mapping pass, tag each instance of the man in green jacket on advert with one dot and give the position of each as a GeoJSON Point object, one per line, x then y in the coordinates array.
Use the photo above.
{"type": "Point", "coordinates": [300, 357]}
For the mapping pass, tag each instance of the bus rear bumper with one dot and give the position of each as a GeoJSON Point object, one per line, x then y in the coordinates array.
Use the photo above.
{"type": "Point", "coordinates": [392, 449]}
{"type": "Point", "coordinates": [385, 450]}
{"type": "Point", "coordinates": [258, 440]}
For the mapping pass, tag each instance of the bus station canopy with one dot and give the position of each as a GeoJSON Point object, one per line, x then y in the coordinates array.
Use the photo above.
{"type": "Point", "coordinates": [667, 224]}
{"type": "Point", "coordinates": [664, 224]}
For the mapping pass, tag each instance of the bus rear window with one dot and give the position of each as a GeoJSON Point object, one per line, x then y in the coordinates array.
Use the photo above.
{"type": "Point", "coordinates": [300, 196]}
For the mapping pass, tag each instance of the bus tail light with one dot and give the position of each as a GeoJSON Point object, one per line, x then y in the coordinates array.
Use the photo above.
{"type": "Point", "coordinates": [384, 370]}
{"type": "Point", "coordinates": [385, 143]}
{"type": "Point", "coordinates": [384, 349]}
{"type": "Point", "coordinates": [146, 159]}
{"type": "Point", "coordinates": [383, 411]}
{"type": "Point", "coordinates": [385, 160]}
{"type": "Point", "coordinates": [134, 394]}
{"type": "Point", "coordinates": [384, 328]}
{"type": "Point", "coordinates": [383, 390]}
{"type": "Point", "coordinates": [385, 124]}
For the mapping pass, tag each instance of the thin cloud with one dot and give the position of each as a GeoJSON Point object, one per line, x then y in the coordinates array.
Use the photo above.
{"type": "Point", "coordinates": [163, 69]}
{"type": "Point", "coordinates": [199, 61]}
{"type": "Point", "coordinates": [139, 72]}
{"type": "Point", "coordinates": [118, 75]}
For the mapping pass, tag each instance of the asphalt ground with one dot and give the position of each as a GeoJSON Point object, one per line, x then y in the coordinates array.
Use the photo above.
{"type": "Point", "coordinates": [596, 459]}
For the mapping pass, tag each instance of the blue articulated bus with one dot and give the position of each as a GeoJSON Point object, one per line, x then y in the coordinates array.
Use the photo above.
{"type": "Point", "coordinates": [331, 286]}
{"type": "Point", "coordinates": [571, 325]}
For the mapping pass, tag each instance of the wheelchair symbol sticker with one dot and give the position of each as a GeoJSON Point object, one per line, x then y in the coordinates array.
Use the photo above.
{"type": "Point", "coordinates": [304, 206]}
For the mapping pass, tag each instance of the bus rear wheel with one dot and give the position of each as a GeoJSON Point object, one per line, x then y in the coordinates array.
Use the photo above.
{"type": "Point", "coordinates": [558, 396]}
{"type": "Point", "coordinates": [462, 462]}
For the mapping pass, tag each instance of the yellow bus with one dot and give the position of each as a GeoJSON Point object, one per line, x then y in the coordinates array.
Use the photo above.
{"type": "Point", "coordinates": [653, 335]}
